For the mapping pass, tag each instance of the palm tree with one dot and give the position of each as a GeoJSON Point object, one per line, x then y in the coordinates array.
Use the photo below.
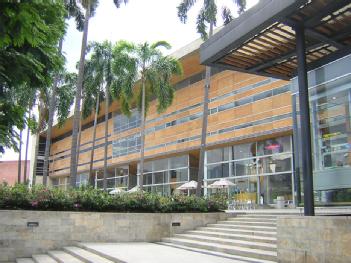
{"type": "Point", "coordinates": [98, 71]}
{"type": "Point", "coordinates": [143, 70]}
{"type": "Point", "coordinates": [207, 15]}
{"type": "Point", "coordinates": [72, 11]}
{"type": "Point", "coordinates": [89, 6]}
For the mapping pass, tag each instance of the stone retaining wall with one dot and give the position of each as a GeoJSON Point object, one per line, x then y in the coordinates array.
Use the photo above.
{"type": "Point", "coordinates": [58, 229]}
{"type": "Point", "coordinates": [314, 239]}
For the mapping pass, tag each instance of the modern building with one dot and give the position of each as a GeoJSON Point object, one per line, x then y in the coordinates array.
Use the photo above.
{"type": "Point", "coordinates": [308, 42]}
{"type": "Point", "coordinates": [249, 137]}
{"type": "Point", "coordinates": [254, 128]}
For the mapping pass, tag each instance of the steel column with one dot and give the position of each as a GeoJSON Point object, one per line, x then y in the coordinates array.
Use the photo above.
{"type": "Point", "coordinates": [306, 149]}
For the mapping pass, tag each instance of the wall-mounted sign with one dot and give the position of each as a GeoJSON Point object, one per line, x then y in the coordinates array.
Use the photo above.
{"type": "Point", "coordinates": [32, 224]}
{"type": "Point", "coordinates": [175, 223]}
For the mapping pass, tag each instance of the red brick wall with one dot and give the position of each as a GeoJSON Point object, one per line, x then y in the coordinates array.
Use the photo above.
{"type": "Point", "coordinates": [9, 171]}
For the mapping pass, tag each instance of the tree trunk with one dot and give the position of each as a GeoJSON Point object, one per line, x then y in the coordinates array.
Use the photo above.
{"type": "Point", "coordinates": [20, 158]}
{"type": "Point", "coordinates": [79, 135]}
{"type": "Point", "coordinates": [106, 136]}
{"type": "Point", "coordinates": [76, 118]}
{"type": "Point", "coordinates": [37, 139]}
{"type": "Point", "coordinates": [52, 107]}
{"type": "Point", "coordinates": [91, 177]}
{"type": "Point", "coordinates": [26, 154]}
{"type": "Point", "coordinates": [204, 126]}
{"type": "Point", "coordinates": [142, 134]}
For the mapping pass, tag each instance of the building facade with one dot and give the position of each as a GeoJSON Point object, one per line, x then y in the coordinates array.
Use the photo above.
{"type": "Point", "coordinates": [249, 137]}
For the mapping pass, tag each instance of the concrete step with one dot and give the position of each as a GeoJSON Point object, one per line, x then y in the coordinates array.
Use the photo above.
{"type": "Point", "coordinates": [43, 258]}
{"type": "Point", "coordinates": [85, 255]}
{"type": "Point", "coordinates": [248, 223]}
{"type": "Point", "coordinates": [230, 249]}
{"type": "Point", "coordinates": [87, 247]}
{"type": "Point", "coordinates": [254, 232]}
{"type": "Point", "coordinates": [263, 215]}
{"type": "Point", "coordinates": [219, 254]}
{"type": "Point", "coordinates": [24, 260]}
{"type": "Point", "coordinates": [63, 257]}
{"type": "Point", "coordinates": [230, 242]}
{"type": "Point", "coordinates": [247, 227]}
{"type": "Point", "coordinates": [213, 233]}
{"type": "Point", "coordinates": [252, 219]}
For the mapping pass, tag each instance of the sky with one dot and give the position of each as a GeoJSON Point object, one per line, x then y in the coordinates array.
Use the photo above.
{"type": "Point", "coordinates": [138, 21]}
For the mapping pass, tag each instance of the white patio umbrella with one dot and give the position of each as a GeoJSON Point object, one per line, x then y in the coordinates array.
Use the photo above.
{"type": "Point", "coordinates": [188, 186]}
{"type": "Point", "coordinates": [117, 191]}
{"type": "Point", "coordinates": [222, 183]}
{"type": "Point", "coordinates": [135, 189]}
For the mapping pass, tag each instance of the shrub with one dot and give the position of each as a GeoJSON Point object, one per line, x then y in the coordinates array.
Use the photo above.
{"type": "Point", "coordinates": [89, 199]}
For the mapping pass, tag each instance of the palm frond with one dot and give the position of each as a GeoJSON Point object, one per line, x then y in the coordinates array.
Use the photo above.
{"type": "Point", "coordinates": [226, 15]}
{"type": "Point", "coordinates": [201, 24]}
{"type": "Point", "coordinates": [183, 9]}
{"type": "Point", "coordinates": [241, 4]}
{"type": "Point", "coordinates": [161, 43]}
{"type": "Point", "coordinates": [118, 3]}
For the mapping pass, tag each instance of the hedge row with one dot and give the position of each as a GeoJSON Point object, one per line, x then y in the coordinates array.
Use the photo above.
{"type": "Point", "coordinates": [89, 199]}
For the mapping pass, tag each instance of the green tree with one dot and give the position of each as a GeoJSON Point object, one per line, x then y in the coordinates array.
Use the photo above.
{"type": "Point", "coordinates": [99, 77]}
{"type": "Point", "coordinates": [144, 71]}
{"type": "Point", "coordinates": [29, 33]}
{"type": "Point", "coordinates": [72, 10]}
{"type": "Point", "coordinates": [207, 17]}
{"type": "Point", "coordinates": [90, 7]}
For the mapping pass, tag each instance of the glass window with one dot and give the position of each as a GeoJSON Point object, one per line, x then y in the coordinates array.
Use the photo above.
{"type": "Point", "coordinates": [160, 165]}
{"type": "Point", "coordinates": [244, 167]}
{"type": "Point", "coordinates": [147, 178]}
{"type": "Point", "coordinates": [272, 186]}
{"type": "Point", "coordinates": [275, 164]}
{"type": "Point", "coordinates": [218, 170]}
{"type": "Point", "coordinates": [179, 161]}
{"type": "Point", "coordinates": [246, 150]}
{"type": "Point", "coordinates": [218, 155]}
{"type": "Point", "coordinates": [160, 177]}
{"type": "Point", "coordinates": [272, 146]}
{"type": "Point", "coordinates": [179, 175]}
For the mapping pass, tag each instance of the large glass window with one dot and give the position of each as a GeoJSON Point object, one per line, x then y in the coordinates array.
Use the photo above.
{"type": "Point", "coordinates": [218, 170]}
{"type": "Point", "coordinates": [218, 155]}
{"type": "Point", "coordinates": [116, 177]}
{"type": "Point", "coordinates": [122, 122]}
{"type": "Point", "coordinates": [164, 175]}
{"type": "Point", "coordinates": [126, 145]}
{"type": "Point", "coordinates": [82, 179]}
{"type": "Point", "coordinates": [330, 114]}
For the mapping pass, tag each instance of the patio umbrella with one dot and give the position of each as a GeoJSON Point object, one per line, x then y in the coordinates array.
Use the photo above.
{"type": "Point", "coordinates": [135, 189]}
{"type": "Point", "coordinates": [188, 186]}
{"type": "Point", "coordinates": [117, 191]}
{"type": "Point", "coordinates": [222, 183]}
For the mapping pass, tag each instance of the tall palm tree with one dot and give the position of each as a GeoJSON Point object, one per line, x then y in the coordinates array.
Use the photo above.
{"type": "Point", "coordinates": [20, 157]}
{"type": "Point", "coordinates": [63, 102]}
{"type": "Point", "coordinates": [72, 10]}
{"type": "Point", "coordinates": [206, 16]}
{"type": "Point", "coordinates": [26, 151]}
{"type": "Point", "coordinates": [143, 70]}
{"type": "Point", "coordinates": [100, 75]}
{"type": "Point", "coordinates": [90, 7]}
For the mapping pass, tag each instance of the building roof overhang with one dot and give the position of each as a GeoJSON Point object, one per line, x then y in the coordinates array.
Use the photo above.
{"type": "Point", "coordinates": [262, 40]}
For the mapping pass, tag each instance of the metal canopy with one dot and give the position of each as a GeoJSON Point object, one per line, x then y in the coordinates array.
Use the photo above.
{"type": "Point", "coordinates": [263, 39]}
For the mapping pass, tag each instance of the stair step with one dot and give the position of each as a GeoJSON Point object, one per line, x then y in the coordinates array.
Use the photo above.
{"type": "Point", "coordinates": [230, 249]}
{"type": "Point", "coordinates": [230, 242]}
{"type": "Point", "coordinates": [238, 226]}
{"type": "Point", "coordinates": [208, 232]}
{"type": "Point", "coordinates": [249, 223]}
{"type": "Point", "coordinates": [63, 257]}
{"type": "Point", "coordinates": [43, 258]}
{"type": "Point", "coordinates": [24, 260]}
{"type": "Point", "coordinates": [250, 219]}
{"type": "Point", "coordinates": [216, 253]}
{"type": "Point", "coordinates": [85, 255]}
{"type": "Point", "coordinates": [257, 215]}
{"type": "Point", "coordinates": [240, 231]}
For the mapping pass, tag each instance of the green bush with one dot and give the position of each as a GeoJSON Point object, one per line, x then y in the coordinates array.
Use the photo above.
{"type": "Point", "coordinates": [89, 199]}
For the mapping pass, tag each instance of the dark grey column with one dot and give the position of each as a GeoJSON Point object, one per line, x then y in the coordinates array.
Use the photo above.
{"type": "Point", "coordinates": [306, 149]}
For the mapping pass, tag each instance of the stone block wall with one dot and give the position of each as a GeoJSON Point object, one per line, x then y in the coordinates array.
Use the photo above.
{"type": "Point", "coordinates": [58, 229]}
{"type": "Point", "coordinates": [314, 239]}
